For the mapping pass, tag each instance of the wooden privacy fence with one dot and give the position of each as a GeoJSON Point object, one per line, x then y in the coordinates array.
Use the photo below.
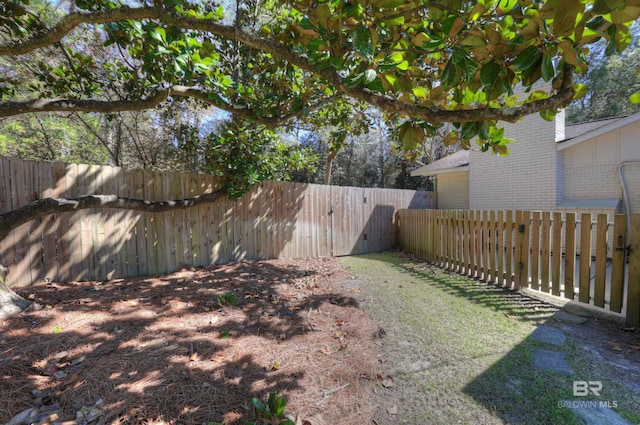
{"type": "Point", "coordinates": [275, 220]}
{"type": "Point", "coordinates": [536, 250]}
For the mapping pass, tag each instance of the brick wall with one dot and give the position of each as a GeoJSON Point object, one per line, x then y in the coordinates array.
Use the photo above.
{"type": "Point", "coordinates": [526, 178]}
{"type": "Point", "coordinates": [453, 190]}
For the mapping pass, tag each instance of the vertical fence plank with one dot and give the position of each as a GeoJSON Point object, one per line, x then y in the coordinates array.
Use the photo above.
{"type": "Point", "coordinates": [500, 246]}
{"type": "Point", "coordinates": [526, 248]}
{"type": "Point", "coordinates": [535, 250]}
{"type": "Point", "coordinates": [617, 264]}
{"type": "Point", "coordinates": [63, 250]}
{"type": "Point", "coordinates": [545, 253]}
{"type": "Point", "coordinates": [477, 265]}
{"type": "Point", "coordinates": [471, 225]}
{"type": "Point", "coordinates": [518, 263]}
{"type": "Point", "coordinates": [633, 292]}
{"type": "Point", "coordinates": [7, 245]}
{"type": "Point", "coordinates": [485, 246]}
{"type": "Point", "coordinates": [508, 235]}
{"type": "Point", "coordinates": [467, 242]}
{"type": "Point", "coordinates": [492, 247]}
{"type": "Point", "coordinates": [601, 260]}
{"type": "Point", "coordinates": [50, 263]}
{"type": "Point", "coordinates": [460, 242]}
{"type": "Point", "coordinates": [156, 243]}
{"type": "Point", "coordinates": [74, 224]}
{"type": "Point", "coordinates": [556, 253]}
{"type": "Point", "coordinates": [138, 186]}
{"type": "Point", "coordinates": [584, 280]}
{"type": "Point", "coordinates": [570, 256]}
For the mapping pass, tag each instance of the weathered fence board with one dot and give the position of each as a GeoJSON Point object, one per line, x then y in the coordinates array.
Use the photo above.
{"type": "Point", "coordinates": [276, 220]}
{"type": "Point", "coordinates": [533, 246]}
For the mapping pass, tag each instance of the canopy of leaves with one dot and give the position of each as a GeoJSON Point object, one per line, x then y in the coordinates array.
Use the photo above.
{"type": "Point", "coordinates": [610, 82]}
{"type": "Point", "coordinates": [430, 61]}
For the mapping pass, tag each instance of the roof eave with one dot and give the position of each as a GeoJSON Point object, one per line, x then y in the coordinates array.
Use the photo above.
{"type": "Point", "coordinates": [461, 169]}
{"type": "Point", "coordinates": [565, 144]}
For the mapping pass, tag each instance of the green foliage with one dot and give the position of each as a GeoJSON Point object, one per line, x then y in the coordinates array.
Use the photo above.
{"type": "Point", "coordinates": [227, 299]}
{"type": "Point", "coordinates": [272, 410]}
{"type": "Point", "coordinates": [50, 138]}
{"type": "Point", "coordinates": [278, 62]}
{"type": "Point", "coordinates": [244, 154]}
{"type": "Point", "coordinates": [609, 88]}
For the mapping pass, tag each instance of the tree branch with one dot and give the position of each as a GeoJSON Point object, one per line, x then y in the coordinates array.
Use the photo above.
{"type": "Point", "coordinates": [511, 114]}
{"type": "Point", "coordinates": [12, 219]}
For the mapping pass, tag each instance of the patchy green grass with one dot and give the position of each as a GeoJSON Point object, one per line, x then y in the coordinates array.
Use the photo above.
{"type": "Point", "coordinates": [459, 351]}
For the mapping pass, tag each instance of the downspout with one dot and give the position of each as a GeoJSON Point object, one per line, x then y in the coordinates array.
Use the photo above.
{"type": "Point", "coordinates": [625, 194]}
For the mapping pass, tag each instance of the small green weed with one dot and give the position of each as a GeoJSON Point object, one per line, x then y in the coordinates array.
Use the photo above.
{"type": "Point", "coordinates": [272, 410]}
{"type": "Point", "coordinates": [228, 298]}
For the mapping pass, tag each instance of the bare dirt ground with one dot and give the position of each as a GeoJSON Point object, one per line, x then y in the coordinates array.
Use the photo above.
{"type": "Point", "coordinates": [167, 350]}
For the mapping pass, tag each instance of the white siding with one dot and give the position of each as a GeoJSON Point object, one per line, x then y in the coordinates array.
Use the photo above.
{"type": "Point", "coordinates": [591, 167]}
{"type": "Point", "coordinates": [453, 190]}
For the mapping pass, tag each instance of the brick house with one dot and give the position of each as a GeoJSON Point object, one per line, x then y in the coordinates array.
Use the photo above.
{"type": "Point", "coordinates": [588, 167]}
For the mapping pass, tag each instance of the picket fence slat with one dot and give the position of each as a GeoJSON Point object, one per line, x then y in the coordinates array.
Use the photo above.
{"type": "Point", "coordinates": [617, 263]}
{"type": "Point", "coordinates": [584, 280]}
{"type": "Point", "coordinates": [570, 256]}
{"type": "Point", "coordinates": [601, 261]}
{"type": "Point", "coordinates": [533, 250]}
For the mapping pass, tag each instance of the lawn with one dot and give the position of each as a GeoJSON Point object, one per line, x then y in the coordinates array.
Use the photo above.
{"type": "Point", "coordinates": [459, 351]}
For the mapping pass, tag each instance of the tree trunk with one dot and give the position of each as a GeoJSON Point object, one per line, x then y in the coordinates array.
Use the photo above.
{"type": "Point", "coordinates": [327, 176]}
{"type": "Point", "coordinates": [12, 303]}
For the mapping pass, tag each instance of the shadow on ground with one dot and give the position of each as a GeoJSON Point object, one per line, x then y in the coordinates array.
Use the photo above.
{"type": "Point", "coordinates": [169, 349]}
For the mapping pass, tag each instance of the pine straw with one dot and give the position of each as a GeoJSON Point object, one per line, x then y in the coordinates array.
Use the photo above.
{"type": "Point", "coordinates": [162, 351]}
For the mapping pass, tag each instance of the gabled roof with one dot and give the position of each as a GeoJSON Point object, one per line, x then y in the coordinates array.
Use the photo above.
{"type": "Point", "coordinates": [578, 129]}
{"type": "Point", "coordinates": [587, 131]}
{"type": "Point", "coordinates": [456, 162]}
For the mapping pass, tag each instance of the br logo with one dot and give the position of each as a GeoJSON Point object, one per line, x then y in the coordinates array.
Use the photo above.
{"type": "Point", "coordinates": [584, 388]}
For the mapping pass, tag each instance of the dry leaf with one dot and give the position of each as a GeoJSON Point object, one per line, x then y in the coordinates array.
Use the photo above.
{"type": "Point", "coordinates": [616, 347]}
{"type": "Point", "coordinates": [193, 357]}
{"type": "Point", "coordinates": [339, 334]}
{"type": "Point", "coordinates": [355, 290]}
{"type": "Point", "coordinates": [218, 357]}
{"type": "Point", "coordinates": [635, 347]}
{"type": "Point", "coordinates": [326, 350]}
{"type": "Point", "coordinates": [630, 329]}
{"type": "Point", "coordinates": [387, 382]}
{"type": "Point", "coordinates": [393, 410]}
{"type": "Point", "coordinates": [339, 322]}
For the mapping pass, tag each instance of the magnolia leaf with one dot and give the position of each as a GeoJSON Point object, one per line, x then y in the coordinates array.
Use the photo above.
{"type": "Point", "coordinates": [411, 135]}
{"type": "Point", "coordinates": [420, 92]}
{"type": "Point", "coordinates": [324, 14]}
{"type": "Point", "coordinates": [489, 74]}
{"type": "Point", "coordinates": [458, 24]}
{"type": "Point", "coordinates": [602, 7]}
{"type": "Point", "coordinates": [369, 76]}
{"type": "Point", "coordinates": [470, 130]}
{"type": "Point", "coordinates": [537, 95]}
{"type": "Point", "coordinates": [581, 90]}
{"type": "Point", "coordinates": [548, 70]}
{"type": "Point", "coordinates": [564, 20]}
{"type": "Point", "coordinates": [527, 58]}
{"type": "Point", "coordinates": [548, 115]}
{"type": "Point", "coordinates": [507, 5]}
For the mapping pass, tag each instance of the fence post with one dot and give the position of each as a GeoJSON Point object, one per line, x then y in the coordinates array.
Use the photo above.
{"type": "Point", "coordinates": [633, 292]}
